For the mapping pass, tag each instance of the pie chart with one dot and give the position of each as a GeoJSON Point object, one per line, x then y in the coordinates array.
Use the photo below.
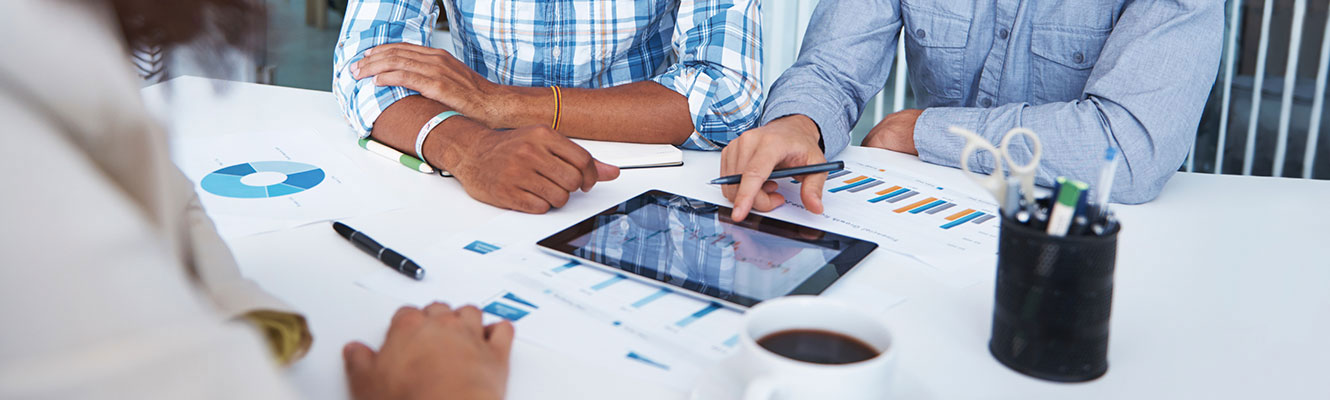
{"type": "Point", "coordinates": [228, 182]}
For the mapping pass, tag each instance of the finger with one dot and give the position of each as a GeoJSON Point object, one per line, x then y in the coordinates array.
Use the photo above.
{"type": "Point", "coordinates": [549, 192]}
{"type": "Point", "coordinates": [406, 319]}
{"type": "Point", "coordinates": [767, 201]}
{"type": "Point", "coordinates": [437, 309]}
{"type": "Point", "coordinates": [390, 62]}
{"type": "Point", "coordinates": [470, 319]}
{"type": "Point", "coordinates": [810, 191]}
{"type": "Point", "coordinates": [401, 46]}
{"type": "Point", "coordinates": [725, 155]}
{"type": "Point", "coordinates": [359, 362]}
{"type": "Point", "coordinates": [522, 200]}
{"type": "Point", "coordinates": [566, 176]}
{"type": "Point", "coordinates": [577, 157]}
{"type": "Point", "coordinates": [407, 79]}
{"type": "Point", "coordinates": [755, 171]}
{"type": "Point", "coordinates": [500, 338]}
{"type": "Point", "coordinates": [770, 186]}
{"type": "Point", "coordinates": [606, 172]}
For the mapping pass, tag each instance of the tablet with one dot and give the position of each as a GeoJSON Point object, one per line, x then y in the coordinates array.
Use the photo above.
{"type": "Point", "coordinates": [694, 245]}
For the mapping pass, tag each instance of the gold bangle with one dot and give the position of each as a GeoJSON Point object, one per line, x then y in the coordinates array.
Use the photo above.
{"type": "Point", "coordinates": [557, 108]}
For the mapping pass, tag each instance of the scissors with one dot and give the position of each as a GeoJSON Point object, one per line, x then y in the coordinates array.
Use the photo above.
{"type": "Point", "coordinates": [996, 183]}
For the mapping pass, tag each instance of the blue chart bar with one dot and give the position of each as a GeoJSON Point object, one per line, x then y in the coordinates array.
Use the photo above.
{"type": "Point", "coordinates": [837, 174]}
{"type": "Point", "coordinates": [888, 195]}
{"type": "Point", "coordinates": [962, 220]}
{"type": "Point", "coordinates": [481, 247]}
{"type": "Point", "coordinates": [861, 188]}
{"type": "Point", "coordinates": [697, 315]}
{"type": "Point", "coordinates": [609, 282]}
{"type": "Point", "coordinates": [917, 210]}
{"type": "Point", "coordinates": [632, 355]}
{"type": "Point", "coordinates": [518, 300]}
{"type": "Point", "coordinates": [853, 185]}
{"type": "Point", "coordinates": [565, 267]}
{"type": "Point", "coordinates": [903, 196]}
{"type": "Point", "coordinates": [733, 340]}
{"type": "Point", "coordinates": [647, 300]}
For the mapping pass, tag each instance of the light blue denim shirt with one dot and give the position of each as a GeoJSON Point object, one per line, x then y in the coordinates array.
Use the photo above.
{"type": "Point", "coordinates": [1083, 74]}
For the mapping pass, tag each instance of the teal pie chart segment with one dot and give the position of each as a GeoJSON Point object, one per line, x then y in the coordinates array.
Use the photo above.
{"type": "Point", "coordinates": [226, 182]}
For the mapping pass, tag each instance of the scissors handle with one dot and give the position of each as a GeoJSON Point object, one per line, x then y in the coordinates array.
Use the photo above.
{"type": "Point", "coordinates": [1023, 172]}
{"type": "Point", "coordinates": [994, 182]}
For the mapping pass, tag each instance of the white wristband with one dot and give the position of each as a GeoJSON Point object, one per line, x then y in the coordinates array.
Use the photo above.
{"type": "Point", "coordinates": [429, 127]}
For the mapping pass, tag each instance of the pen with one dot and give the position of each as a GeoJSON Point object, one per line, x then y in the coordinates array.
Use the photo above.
{"type": "Point", "coordinates": [389, 257]}
{"type": "Point", "coordinates": [1064, 206]}
{"type": "Point", "coordinates": [786, 172]}
{"type": "Point", "coordinates": [392, 154]}
{"type": "Point", "coordinates": [1014, 198]}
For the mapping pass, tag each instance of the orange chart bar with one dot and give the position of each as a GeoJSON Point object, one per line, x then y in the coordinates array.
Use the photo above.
{"type": "Point", "coordinates": [953, 217]}
{"type": "Point", "coordinates": [889, 190]}
{"type": "Point", "coordinates": [912, 206]}
{"type": "Point", "coordinates": [860, 178]}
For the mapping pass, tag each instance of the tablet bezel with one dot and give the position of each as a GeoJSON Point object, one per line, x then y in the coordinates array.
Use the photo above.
{"type": "Point", "coordinates": [855, 250]}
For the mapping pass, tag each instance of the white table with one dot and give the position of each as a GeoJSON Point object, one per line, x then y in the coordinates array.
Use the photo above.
{"type": "Point", "coordinates": [1222, 286]}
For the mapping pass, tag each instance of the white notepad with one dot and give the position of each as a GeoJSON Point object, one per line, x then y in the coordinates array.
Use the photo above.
{"type": "Point", "coordinates": [633, 155]}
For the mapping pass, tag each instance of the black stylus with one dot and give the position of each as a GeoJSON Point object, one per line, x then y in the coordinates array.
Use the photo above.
{"type": "Point", "coordinates": [389, 257]}
{"type": "Point", "coordinates": [786, 172]}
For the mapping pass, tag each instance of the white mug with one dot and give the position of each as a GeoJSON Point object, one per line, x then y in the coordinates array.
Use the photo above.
{"type": "Point", "coordinates": [768, 375]}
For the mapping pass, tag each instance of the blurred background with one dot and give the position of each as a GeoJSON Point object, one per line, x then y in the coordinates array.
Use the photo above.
{"type": "Point", "coordinates": [1264, 115]}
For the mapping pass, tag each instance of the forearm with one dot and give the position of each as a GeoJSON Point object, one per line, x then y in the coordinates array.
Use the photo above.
{"type": "Point", "coordinates": [639, 112]}
{"type": "Point", "coordinates": [400, 123]}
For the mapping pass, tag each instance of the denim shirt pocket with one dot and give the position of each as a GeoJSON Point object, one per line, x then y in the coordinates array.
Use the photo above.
{"type": "Point", "coordinates": [935, 48]}
{"type": "Point", "coordinates": [1063, 59]}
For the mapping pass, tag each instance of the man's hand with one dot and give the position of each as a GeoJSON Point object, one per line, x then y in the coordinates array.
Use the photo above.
{"type": "Point", "coordinates": [895, 132]}
{"type": "Point", "coordinates": [438, 76]}
{"type": "Point", "coordinates": [436, 353]}
{"type": "Point", "coordinates": [529, 169]}
{"type": "Point", "coordinates": [786, 142]}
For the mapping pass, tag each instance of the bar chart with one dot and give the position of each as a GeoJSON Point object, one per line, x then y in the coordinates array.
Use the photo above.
{"type": "Point", "coordinates": [848, 181]}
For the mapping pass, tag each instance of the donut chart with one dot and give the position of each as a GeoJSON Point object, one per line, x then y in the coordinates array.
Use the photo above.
{"type": "Point", "coordinates": [226, 182]}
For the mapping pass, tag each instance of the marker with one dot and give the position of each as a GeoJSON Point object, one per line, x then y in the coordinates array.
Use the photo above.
{"type": "Point", "coordinates": [389, 257]}
{"type": "Point", "coordinates": [1064, 208]}
{"type": "Point", "coordinates": [786, 172]}
{"type": "Point", "coordinates": [1013, 201]}
{"type": "Point", "coordinates": [392, 154]}
{"type": "Point", "coordinates": [1105, 186]}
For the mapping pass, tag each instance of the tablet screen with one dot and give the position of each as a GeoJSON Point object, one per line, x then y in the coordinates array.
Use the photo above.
{"type": "Point", "coordinates": [694, 245]}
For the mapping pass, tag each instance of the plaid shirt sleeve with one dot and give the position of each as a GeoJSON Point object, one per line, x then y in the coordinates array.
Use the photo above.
{"type": "Point", "coordinates": [718, 45]}
{"type": "Point", "coordinates": [371, 23]}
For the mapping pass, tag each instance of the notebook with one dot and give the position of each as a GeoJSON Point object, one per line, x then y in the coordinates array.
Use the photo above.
{"type": "Point", "coordinates": [633, 155]}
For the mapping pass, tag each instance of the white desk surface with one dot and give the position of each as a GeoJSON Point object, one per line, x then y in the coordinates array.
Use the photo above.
{"type": "Point", "coordinates": [1222, 285]}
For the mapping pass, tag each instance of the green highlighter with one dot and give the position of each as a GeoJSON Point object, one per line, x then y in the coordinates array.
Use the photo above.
{"type": "Point", "coordinates": [392, 154]}
{"type": "Point", "coordinates": [1065, 205]}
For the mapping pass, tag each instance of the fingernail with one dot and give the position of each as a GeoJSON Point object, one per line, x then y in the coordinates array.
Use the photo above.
{"type": "Point", "coordinates": [355, 69]}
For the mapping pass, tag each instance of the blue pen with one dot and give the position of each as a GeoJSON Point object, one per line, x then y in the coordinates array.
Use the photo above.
{"type": "Point", "coordinates": [1105, 186]}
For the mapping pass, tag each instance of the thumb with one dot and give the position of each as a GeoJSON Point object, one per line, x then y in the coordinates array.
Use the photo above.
{"type": "Point", "coordinates": [606, 172]}
{"type": "Point", "coordinates": [500, 338]}
{"type": "Point", "coordinates": [359, 361]}
{"type": "Point", "coordinates": [811, 191]}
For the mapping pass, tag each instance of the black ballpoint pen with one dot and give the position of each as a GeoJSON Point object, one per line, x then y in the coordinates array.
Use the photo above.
{"type": "Point", "coordinates": [786, 172]}
{"type": "Point", "coordinates": [389, 257]}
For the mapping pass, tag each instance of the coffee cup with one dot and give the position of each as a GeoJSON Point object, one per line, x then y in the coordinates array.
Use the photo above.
{"type": "Point", "coordinates": [807, 347]}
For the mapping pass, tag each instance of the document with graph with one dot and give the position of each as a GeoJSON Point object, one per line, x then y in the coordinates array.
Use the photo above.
{"type": "Point", "coordinates": [903, 212]}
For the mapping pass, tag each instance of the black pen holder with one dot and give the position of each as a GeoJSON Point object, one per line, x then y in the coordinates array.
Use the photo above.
{"type": "Point", "coordinates": [1052, 302]}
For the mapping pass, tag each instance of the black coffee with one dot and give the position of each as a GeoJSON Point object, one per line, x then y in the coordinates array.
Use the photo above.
{"type": "Point", "coordinates": [817, 346]}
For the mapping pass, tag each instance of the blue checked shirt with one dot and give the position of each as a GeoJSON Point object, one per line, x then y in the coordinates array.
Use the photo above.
{"type": "Point", "coordinates": [708, 51]}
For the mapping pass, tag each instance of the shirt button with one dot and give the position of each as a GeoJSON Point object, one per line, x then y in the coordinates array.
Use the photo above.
{"type": "Point", "coordinates": [920, 33]}
{"type": "Point", "coordinates": [1078, 57]}
{"type": "Point", "coordinates": [986, 102]}
{"type": "Point", "coordinates": [557, 52]}
{"type": "Point", "coordinates": [1002, 34]}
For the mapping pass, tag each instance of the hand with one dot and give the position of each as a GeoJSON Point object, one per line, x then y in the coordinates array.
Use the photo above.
{"type": "Point", "coordinates": [438, 76]}
{"type": "Point", "coordinates": [433, 354]}
{"type": "Point", "coordinates": [529, 169]}
{"type": "Point", "coordinates": [895, 132]}
{"type": "Point", "coordinates": [786, 142]}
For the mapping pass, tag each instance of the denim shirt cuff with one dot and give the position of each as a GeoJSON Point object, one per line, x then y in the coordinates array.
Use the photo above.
{"type": "Point", "coordinates": [936, 145]}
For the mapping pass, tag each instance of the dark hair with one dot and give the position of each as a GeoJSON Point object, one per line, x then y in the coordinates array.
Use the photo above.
{"type": "Point", "coordinates": [211, 25]}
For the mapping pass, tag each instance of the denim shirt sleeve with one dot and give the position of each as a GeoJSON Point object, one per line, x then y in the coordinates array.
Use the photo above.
{"type": "Point", "coordinates": [1144, 96]}
{"type": "Point", "coordinates": [844, 60]}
